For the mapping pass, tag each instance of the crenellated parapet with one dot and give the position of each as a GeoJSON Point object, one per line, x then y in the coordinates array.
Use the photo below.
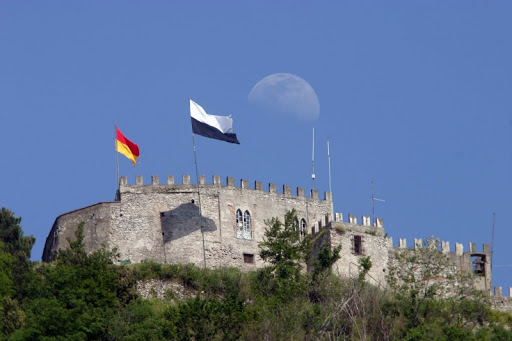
{"type": "Point", "coordinates": [365, 220]}
{"type": "Point", "coordinates": [230, 182]}
{"type": "Point", "coordinates": [501, 301]}
{"type": "Point", "coordinates": [444, 247]}
{"type": "Point", "coordinates": [473, 261]}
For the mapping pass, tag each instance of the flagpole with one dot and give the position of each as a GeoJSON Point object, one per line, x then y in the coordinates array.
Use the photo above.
{"type": "Point", "coordinates": [118, 196]}
{"type": "Point", "coordinates": [199, 199]}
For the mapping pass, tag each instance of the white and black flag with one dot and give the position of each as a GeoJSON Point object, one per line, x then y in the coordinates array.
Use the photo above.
{"type": "Point", "coordinates": [212, 126]}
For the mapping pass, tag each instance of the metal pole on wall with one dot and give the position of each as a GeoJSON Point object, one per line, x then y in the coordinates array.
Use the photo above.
{"type": "Point", "coordinates": [199, 199]}
{"type": "Point", "coordinates": [118, 195]}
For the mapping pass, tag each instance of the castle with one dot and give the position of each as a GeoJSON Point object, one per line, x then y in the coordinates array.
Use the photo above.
{"type": "Point", "coordinates": [220, 224]}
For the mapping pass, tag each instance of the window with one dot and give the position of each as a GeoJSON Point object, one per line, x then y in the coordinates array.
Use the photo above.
{"type": "Point", "coordinates": [239, 224]}
{"type": "Point", "coordinates": [303, 227]}
{"type": "Point", "coordinates": [247, 226]}
{"type": "Point", "coordinates": [296, 225]}
{"type": "Point", "coordinates": [358, 245]}
{"type": "Point", "coordinates": [248, 258]}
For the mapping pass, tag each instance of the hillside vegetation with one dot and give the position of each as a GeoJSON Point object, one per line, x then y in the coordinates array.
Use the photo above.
{"type": "Point", "coordinates": [84, 296]}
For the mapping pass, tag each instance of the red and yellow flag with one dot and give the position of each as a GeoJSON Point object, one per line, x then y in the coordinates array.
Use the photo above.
{"type": "Point", "coordinates": [126, 147]}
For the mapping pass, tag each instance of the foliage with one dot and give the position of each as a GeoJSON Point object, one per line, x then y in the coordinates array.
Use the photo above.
{"type": "Point", "coordinates": [16, 245]}
{"type": "Point", "coordinates": [6, 273]}
{"type": "Point", "coordinates": [74, 297]}
{"type": "Point", "coordinates": [85, 296]}
{"type": "Point", "coordinates": [285, 250]}
{"type": "Point", "coordinates": [324, 261]}
{"type": "Point", "coordinates": [365, 264]}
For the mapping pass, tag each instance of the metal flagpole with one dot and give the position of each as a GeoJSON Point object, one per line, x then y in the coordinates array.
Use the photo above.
{"type": "Point", "coordinates": [313, 160]}
{"type": "Point", "coordinates": [118, 195]}
{"type": "Point", "coordinates": [330, 187]}
{"type": "Point", "coordinates": [199, 199]}
{"type": "Point", "coordinates": [329, 158]}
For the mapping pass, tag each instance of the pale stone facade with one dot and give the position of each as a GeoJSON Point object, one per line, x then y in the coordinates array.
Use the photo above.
{"type": "Point", "coordinates": [162, 223]}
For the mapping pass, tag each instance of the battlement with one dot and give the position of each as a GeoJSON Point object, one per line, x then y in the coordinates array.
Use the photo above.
{"type": "Point", "coordinates": [230, 183]}
{"type": "Point", "coordinates": [445, 247]}
{"type": "Point", "coordinates": [498, 292]}
{"type": "Point", "coordinates": [365, 220]}
{"type": "Point", "coordinates": [352, 226]}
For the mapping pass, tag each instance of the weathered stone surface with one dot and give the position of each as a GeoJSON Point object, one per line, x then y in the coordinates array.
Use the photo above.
{"type": "Point", "coordinates": [164, 223]}
{"type": "Point", "coordinates": [169, 224]}
{"type": "Point", "coordinates": [156, 288]}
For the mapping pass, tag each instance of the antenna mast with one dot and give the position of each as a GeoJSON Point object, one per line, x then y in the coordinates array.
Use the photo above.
{"type": "Point", "coordinates": [492, 237]}
{"type": "Point", "coordinates": [373, 202]}
{"type": "Point", "coordinates": [329, 159]}
{"type": "Point", "coordinates": [313, 160]}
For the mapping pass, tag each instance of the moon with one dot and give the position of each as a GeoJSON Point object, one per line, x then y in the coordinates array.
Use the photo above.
{"type": "Point", "coordinates": [286, 94]}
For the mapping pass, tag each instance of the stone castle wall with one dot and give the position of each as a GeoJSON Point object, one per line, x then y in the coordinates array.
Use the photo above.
{"type": "Point", "coordinates": [166, 224]}
{"type": "Point", "coordinates": [372, 243]}
{"type": "Point", "coordinates": [163, 223]}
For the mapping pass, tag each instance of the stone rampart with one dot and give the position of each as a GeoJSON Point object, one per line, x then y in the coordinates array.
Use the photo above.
{"type": "Point", "coordinates": [500, 302]}
{"type": "Point", "coordinates": [356, 241]}
{"type": "Point", "coordinates": [165, 223]}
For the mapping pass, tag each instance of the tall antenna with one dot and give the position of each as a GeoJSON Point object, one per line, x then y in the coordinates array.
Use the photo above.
{"type": "Point", "coordinates": [329, 159]}
{"type": "Point", "coordinates": [492, 237]}
{"type": "Point", "coordinates": [373, 202]}
{"type": "Point", "coordinates": [313, 160]}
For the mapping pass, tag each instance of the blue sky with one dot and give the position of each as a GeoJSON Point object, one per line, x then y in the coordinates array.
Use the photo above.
{"type": "Point", "coordinates": [415, 96]}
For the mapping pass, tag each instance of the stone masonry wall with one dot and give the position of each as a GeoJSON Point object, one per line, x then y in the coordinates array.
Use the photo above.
{"type": "Point", "coordinates": [97, 221]}
{"type": "Point", "coordinates": [373, 244]}
{"type": "Point", "coordinates": [162, 222]}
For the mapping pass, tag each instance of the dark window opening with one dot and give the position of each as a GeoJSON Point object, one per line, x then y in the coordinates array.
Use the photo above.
{"type": "Point", "coordinates": [247, 225]}
{"type": "Point", "coordinates": [192, 201]}
{"type": "Point", "coordinates": [358, 245]}
{"type": "Point", "coordinates": [478, 262]}
{"type": "Point", "coordinates": [248, 258]}
{"type": "Point", "coordinates": [239, 224]}
{"type": "Point", "coordinates": [303, 227]}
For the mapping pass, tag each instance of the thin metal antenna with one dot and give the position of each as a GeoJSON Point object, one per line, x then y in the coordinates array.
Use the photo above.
{"type": "Point", "coordinates": [373, 202]}
{"type": "Point", "coordinates": [313, 160]}
{"type": "Point", "coordinates": [329, 159]}
{"type": "Point", "coordinates": [492, 238]}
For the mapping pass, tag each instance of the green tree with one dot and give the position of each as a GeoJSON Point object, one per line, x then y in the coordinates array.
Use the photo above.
{"type": "Point", "coordinates": [324, 261]}
{"type": "Point", "coordinates": [18, 246]}
{"type": "Point", "coordinates": [285, 250]}
{"type": "Point", "coordinates": [365, 264]}
{"type": "Point", "coordinates": [73, 297]}
{"type": "Point", "coordinates": [432, 293]}
{"type": "Point", "coordinates": [6, 273]}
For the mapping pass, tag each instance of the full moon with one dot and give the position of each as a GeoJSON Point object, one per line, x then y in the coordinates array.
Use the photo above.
{"type": "Point", "coordinates": [286, 94]}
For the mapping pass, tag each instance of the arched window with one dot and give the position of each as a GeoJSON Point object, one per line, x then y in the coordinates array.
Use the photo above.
{"type": "Point", "coordinates": [239, 224]}
{"type": "Point", "coordinates": [296, 225]}
{"type": "Point", "coordinates": [247, 225]}
{"type": "Point", "coordinates": [303, 227]}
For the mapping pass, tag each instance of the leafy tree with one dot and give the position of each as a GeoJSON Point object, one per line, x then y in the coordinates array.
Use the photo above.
{"type": "Point", "coordinates": [365, 264]}
{"type": "Point", "coordinates": [12, 316]}
{"type": "Point", "coordinates": [74, 297]}
{"type": "Point", "coordinates": [430, 290]}
{"type": "Point", "coordinates": [324, 261]}
{"type": "Point", "coordinates": [6, 273]}
{"type": "Point", "coordinates": [285, 251]}
{"type": "Point", "coordinates": [18, 246]}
